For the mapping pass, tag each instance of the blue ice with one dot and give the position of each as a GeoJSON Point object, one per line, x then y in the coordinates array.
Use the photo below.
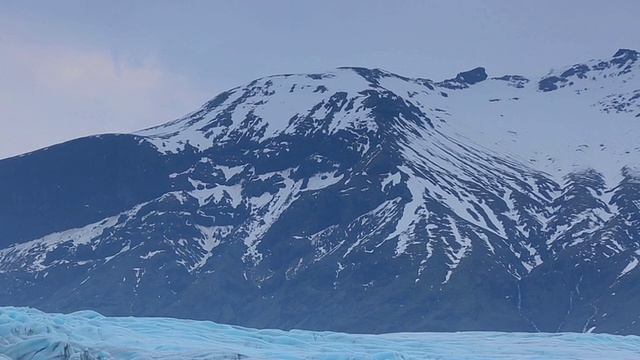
{"type": "Point", "coordinates": [27, 333]}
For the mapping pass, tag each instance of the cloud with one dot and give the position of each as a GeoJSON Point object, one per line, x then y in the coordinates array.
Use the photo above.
{"type": "Point", "coordinates": [52, 93]}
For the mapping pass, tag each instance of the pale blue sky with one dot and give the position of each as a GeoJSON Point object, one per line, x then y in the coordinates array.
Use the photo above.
{"type": "Point", "coordinates": [74, 68]}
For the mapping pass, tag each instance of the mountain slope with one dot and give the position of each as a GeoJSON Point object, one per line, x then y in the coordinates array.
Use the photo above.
{"type": "Point", "coordinates": [356, 200]}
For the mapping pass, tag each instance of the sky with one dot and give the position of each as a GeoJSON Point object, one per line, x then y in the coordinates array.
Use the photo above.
{"type": "Point", "coordinates": [76, 68]}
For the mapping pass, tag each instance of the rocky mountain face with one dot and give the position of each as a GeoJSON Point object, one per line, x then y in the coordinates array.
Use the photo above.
{"type": "Point", "coordinates": [355, 200]}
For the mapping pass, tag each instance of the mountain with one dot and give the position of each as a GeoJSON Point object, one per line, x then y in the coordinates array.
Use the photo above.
{"type": "Point", "coordinates": [354, 200]}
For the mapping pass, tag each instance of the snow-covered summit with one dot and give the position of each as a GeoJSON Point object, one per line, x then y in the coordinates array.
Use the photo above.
{"type": "Point", "coordinates": [582, 116]}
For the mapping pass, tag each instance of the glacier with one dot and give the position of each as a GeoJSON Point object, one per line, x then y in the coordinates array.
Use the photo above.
{"type": "Point", "coordinates": [27, 333]}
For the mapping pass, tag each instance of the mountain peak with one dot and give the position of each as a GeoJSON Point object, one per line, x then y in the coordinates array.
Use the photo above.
{"type": "Point", "coordinates": [624, 56]}
{"type": "Point", "coordinates": [373, 76]}
{"type": "Point", "coordinates": [464, 79]}
{"type": "Point", "coordinates": [624, 61]}
{"type": "Point", "coordinates": [472, 76]}
{"type": "Point", "coordinates": [625, 53]}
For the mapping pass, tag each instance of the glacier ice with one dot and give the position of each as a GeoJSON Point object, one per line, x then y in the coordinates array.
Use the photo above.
{"type": "Point", "coordinates": [27, 333]}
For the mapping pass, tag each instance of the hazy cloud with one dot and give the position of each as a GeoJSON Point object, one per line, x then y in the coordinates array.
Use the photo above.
{"type": "Point", "coordinates": [58, 92]}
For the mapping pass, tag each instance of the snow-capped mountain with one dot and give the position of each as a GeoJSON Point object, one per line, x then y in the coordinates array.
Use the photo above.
{"type": "Point", "coordinates": [354, 200]}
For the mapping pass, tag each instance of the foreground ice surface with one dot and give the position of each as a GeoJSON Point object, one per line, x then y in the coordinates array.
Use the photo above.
{"type": "Point", "coordinates": [30, 334]}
